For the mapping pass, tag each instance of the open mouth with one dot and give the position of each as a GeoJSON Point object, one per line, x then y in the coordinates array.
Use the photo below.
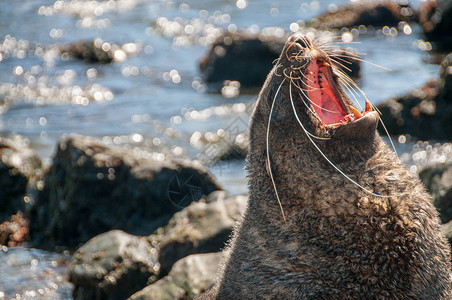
{"type": "Point", "coordinates": [325, 98]}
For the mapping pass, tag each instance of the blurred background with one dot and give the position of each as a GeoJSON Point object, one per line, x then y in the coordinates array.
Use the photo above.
{"type": "Point", "coordinates": [143, 74]}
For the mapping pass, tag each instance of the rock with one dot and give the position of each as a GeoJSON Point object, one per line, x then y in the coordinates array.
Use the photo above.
{"type": "Point", "coordinates": [19, 166]}
{"type": "Point", "coordinates": [98, 51]}
{"type": "Point", "coordinates": [188, 278]}
{"type": "Point", "coordinates": [88, 51]}
{"type": "Point", "coordinates": [445, 80]}
{"type": "Point", "coordinates": [92, 188]}
{"type": "Point", "coordinates": [226, 148]}
{"type": "Point", "coordinates": [366, 13]}
{"type": "Point", "coordinates": [233, 152]}
{"type": "Point", "coordinates": [240, 57]}
{"type": "Point", "coordinates": [438, 181]}
{"type": "Point", "coordinates": [247, 58]}
{"type": "Point", "coordinates": [199, 228]}
{"type": "Point", "coordinates": [435, 17]}
{"type": "Point", "coordinates": [426, 112]}
{"type": "Point", "coordinates": [14, 232]}
{"type": "Point", "coordinates": [113, 265]}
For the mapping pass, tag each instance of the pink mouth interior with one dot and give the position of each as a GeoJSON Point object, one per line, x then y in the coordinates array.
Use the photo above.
{"type": "Point", "coordinates": [324, 97]}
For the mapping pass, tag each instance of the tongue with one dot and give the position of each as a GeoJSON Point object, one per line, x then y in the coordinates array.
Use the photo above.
{"type": "Point", "coordinates": [325, 100]}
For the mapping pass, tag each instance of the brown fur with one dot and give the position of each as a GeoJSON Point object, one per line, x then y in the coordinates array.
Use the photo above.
{"type": "Point", "coordinates": [339, 242]}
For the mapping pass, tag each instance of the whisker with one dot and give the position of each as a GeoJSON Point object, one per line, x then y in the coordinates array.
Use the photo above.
{"type": "Point", "coordinates": [312, 102]}
{"type": "Point", "coordinates": [298, 119]}
{"type": "Point", "coordinates": [348, 42]}
{"type": "Point", "coordinates": [268, 150]}
{"type": "Point", "coordinates": [351, 90]}
{"type": "Point", "coordinates": [374, 107]}
{"type": "Point", "coordinates": [370, 63]}
{"type": "Point", "coordinates": [329, 161]}
{"type": "Point", "coordinates": [340, 64]}
{"type": "Point", "coordinates": [338, 53]}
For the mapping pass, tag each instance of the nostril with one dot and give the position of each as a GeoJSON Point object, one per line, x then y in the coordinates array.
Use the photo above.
{"type": "Point", "coordinates": [301, 40]}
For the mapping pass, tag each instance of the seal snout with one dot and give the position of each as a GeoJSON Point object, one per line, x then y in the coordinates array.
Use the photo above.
{"type": "Point", "coordinates": [296, 45]}
{"type": "Point", "coordinates": [302, 41]}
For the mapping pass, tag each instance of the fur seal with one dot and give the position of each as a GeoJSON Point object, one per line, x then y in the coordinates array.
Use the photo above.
{"type": "Point", "coordinates": [332, 212]}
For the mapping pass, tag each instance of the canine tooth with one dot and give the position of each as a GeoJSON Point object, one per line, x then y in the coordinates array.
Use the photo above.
{"type": "Point", "coordinates": [325, 64]}
{"type": "Point", "coordinates": [356, 112]}
{"type": "Point", "coordinates": [368, 106]}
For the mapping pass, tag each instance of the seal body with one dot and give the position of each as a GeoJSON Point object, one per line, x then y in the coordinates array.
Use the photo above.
{"type": "Point", "coordinates": [355, 223]}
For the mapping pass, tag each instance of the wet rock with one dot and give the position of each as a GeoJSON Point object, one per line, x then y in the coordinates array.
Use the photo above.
{"type": "Point", "coordinates": [113, 265]}
{"type": "Point", "coordinates": [199, 228]}
{"type": "Point", "coordinates": [445, 80]}
{"type": "Point", "coordinates": [14, 232]}
{"type": "Point", "coordinates": [92, 188]}
{"type": "Point", "coordinates": [240, 57]}
{"type": "Point", "coordinates": [226, 148]}
{"type": "Point", "coordinates": [247, 59]}
{"type": "Point", "coordinates": [426, 112]}
{"type": "Point", "coordinates": [19, 166]}
{"type": "Point", "coordinates": [88, 51]}
{"type": "Point", "coordinates": [98, 51]}
{"type": "Point", "coordinates": [435, 17]}
{"type": "Point", "coordinates": [438, 181]}
{"type": "Point", "coordinates": [366, 13]}
{"type": "Point", "coordinates": [188, 278]}
{"type": "Point", "coordinates": [233, 152]}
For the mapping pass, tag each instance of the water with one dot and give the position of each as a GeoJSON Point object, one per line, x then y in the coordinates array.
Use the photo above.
{"type": "Point", "coordinates": [154, 97]}
{"type": "Point", "coordinates": [31, 273]}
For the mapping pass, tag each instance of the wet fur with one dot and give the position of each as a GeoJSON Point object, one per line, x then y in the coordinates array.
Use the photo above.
{"type": "Point", "coordinates": [336, 241]}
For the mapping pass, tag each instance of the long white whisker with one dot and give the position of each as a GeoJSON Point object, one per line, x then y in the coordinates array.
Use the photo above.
{"type": "Point", "coordinates": [296, 115]}
{"type": "Point", "coordinates": [268, 150]}
{"type": "Point", "coordinates": [327, 159]}
{"type": "Point", "coordinates": [312, 102]}
{"type": "Point", "coordinates": [340, 53]}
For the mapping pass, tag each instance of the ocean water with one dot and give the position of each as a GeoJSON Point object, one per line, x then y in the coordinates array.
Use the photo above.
{"type": "Point", "coordinates": [153, 96]}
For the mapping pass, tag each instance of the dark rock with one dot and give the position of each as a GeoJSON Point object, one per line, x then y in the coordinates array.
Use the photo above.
{"type": "Point", "coordinates": [19, 166]}
{"type": "Point", "coordinates": [199, 228]}
{"type": "Point", "coordinates": [188, 278]}
{"type": "Point", "coordinates": [367, 13]}
{"type": "Point", "coordinates": [227, 148]}
{"type": "Point", "coordinates": [14, 232]}
{"type": "Point", "coordinates": [240, 57]}
{"type": "Point", "coordinates": [425, 113]}
{"type": "Point", "coordinates": [88, 51]}
{"type": "Point", "coordinates": [98, 51]}
{"type": "Point", "coordinates": [445, 80]}
{"type": "Point", "coordinates": [248, 58]}
{"type": "Point", "coordinates": [438, 181]}
{"type": "Point", "coordinates": [435, 17]}
{"type": "Point", "coordinates": [92, 188]}
{"type": "Point", "coordinates": [234, 151]}
{"type": "Point", "coordinates": [113, 265]}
